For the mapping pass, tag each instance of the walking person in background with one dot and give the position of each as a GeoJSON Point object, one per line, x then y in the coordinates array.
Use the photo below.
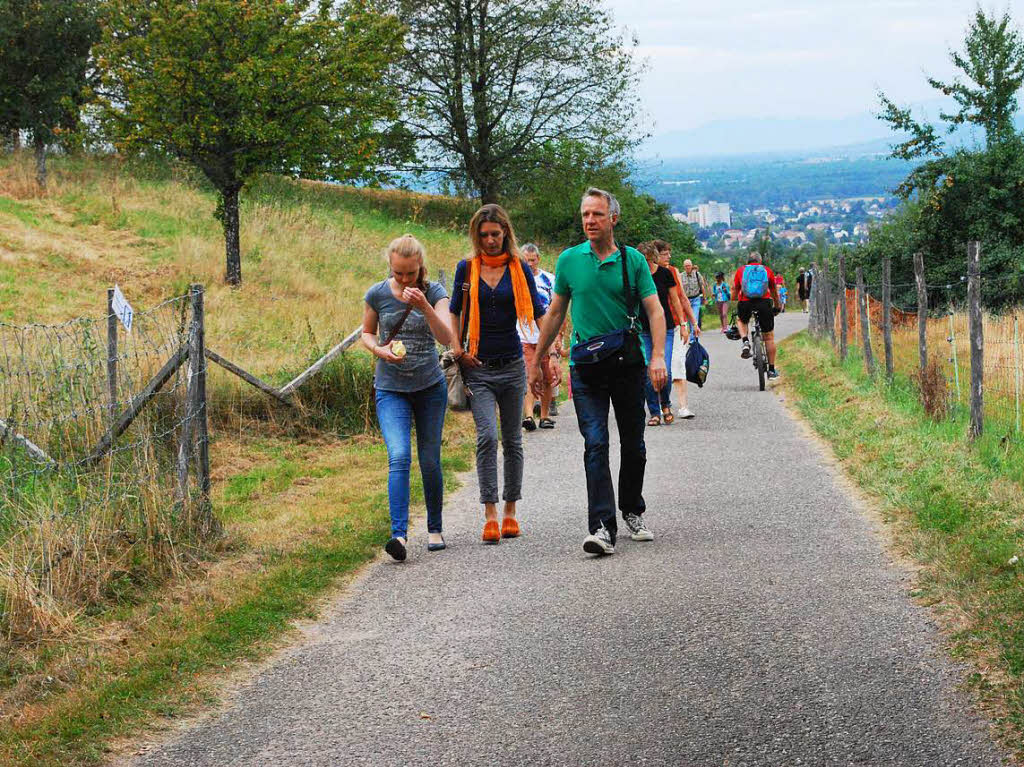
{"type": "Point", "coordinates": [404, 317]}
{"type": "Point", "coordinates": [695, 288]}
{"type": "Point", "coordinates": [722, 297]}
{"type": "Point", "coordinates": [780, 283]}
{"type": "Point", "coordinates": [606, 285]}
{"type": "Point", "coordinates": [659, 402]}
{"type": "Point", "coordinates": [539, 406]}
{"type": "Point", "coordinates": [803, 287]}
{"type": "Point", "coordinates": [681, 334]}
{"type": "Point", "coordinates": [497, 292]}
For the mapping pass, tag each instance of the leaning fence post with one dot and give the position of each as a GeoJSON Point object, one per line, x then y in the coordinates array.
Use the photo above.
{"type": "Point", "coordinates": [442, 278]}
{"type": "Point", "coordinates": [922, 311]}
{"type": "Point", "coordinates": [887, 315]}
{"type": "Point", "coordinates": [843, 320]}
{"type": "Point", "coordinates": [111, 351]}
{"type": "Point", "coordinates": [185, 441]}
{"type": "Point", "coordinates": [869, 359]}
{"type": "Point", "coordinates": [977, 338]}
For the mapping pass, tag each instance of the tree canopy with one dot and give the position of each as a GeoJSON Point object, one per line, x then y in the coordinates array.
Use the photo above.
{"type": "Point", "coordinates": [491, 81]}
{"type": "Point", "coordinates": [44, 56]}
{"type": "Point", "coordinates": [261, 86]}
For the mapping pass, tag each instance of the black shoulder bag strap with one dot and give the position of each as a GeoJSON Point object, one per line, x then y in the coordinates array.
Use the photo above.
{"type": "Point", "coordinates": [631, 305]}
{"type": "Point", "coordinates": [397, 328]}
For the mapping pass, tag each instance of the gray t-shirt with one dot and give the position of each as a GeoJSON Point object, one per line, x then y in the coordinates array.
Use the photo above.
{"type": "Point", "coordinates": [420, 368]}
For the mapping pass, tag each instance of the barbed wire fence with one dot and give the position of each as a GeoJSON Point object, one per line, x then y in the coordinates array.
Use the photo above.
{"type": "Point", "coordinates": [962, 362]}
{"type": "Point", "coordinates": [104, 463]}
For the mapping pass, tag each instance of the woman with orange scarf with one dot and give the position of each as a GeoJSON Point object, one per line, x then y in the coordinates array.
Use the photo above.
{"type": "Point", "coordinates": [494, 293]}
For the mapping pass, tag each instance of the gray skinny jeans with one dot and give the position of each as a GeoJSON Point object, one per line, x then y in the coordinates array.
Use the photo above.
{"type": "Point", "coordinates": [502, 389]}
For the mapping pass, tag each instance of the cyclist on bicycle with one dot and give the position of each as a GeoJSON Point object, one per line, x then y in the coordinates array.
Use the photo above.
{"type": "Point", "coordinates": [763, 300]}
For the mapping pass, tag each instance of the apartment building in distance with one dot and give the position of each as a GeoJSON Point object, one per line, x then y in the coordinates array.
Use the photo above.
{"type": "Point", "coordinates": [710, 213]}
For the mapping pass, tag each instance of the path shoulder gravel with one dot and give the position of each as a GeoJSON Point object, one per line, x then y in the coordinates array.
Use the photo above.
{"type": "Point", "coordinates": [765, 626]}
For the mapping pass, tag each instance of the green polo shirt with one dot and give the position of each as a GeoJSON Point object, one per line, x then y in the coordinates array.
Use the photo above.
{"type": "Point", "coordinates": [594, 287]}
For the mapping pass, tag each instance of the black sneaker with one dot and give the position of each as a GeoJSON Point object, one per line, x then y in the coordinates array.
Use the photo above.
{"type": "Point", "coordinates": [745, 353]}
{"type": "Point", "coordinates": [529, 424]}
{"type": "Point", "coordinates": [553, 410]}
{"type": "Point", "coordinates": [773, 374]}
{"type": "Point", "coordinates": [638, 529]}
{"type": "Point", "coordinates": [536, 410]}
{"type": "Point", "coordinates": [599, 543]}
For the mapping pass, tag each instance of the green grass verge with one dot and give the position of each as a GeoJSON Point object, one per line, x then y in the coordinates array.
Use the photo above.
{"type": "Point", "coordinates": [187, 648]}
{"type": "Point", "coordinates": [954, 506]}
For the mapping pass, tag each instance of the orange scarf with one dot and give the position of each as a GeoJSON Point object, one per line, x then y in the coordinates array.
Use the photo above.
{"type": "Point", "coordinates": [520, 290]}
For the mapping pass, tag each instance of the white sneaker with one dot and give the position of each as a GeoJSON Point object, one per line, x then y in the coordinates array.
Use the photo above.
{"type": "Point", "coordinates": [599, 542]}
{"type": "Point", "coordinates": [638, 529]}
{"type": "Point", "coordinates": [684, 413]}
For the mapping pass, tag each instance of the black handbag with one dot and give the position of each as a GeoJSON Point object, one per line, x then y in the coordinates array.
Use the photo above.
{"type": "Point", "coordinates": [621, 345]}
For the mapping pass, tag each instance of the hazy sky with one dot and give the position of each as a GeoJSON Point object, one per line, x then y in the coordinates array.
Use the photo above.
{"type": "Point", "coordinates": [722, 59]}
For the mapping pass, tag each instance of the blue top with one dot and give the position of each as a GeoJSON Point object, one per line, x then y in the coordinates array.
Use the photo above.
{"type": "Point", "coordinates": [721, 291]}
{"type": "Point", "coordinates": [499, 335]}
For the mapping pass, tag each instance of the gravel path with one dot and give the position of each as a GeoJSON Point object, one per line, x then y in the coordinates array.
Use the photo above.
{"type": "Point", "coordinates": [764, 626]}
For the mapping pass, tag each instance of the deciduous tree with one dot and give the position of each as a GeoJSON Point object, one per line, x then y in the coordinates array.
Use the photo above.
{"type": "Point", "coordinates": [240, 87]}
{"type": "Point", "coordinates": [490, 81]}
{"type": "Point", "coordinates": [44, 54]}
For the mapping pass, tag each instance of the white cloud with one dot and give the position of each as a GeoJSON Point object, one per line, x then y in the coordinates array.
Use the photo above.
{"type": "Point", "coordinates": [776, 58]}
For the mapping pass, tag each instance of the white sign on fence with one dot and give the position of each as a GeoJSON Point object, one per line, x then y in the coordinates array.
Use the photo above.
{"type": "Point", "coordinates": [122, 309]}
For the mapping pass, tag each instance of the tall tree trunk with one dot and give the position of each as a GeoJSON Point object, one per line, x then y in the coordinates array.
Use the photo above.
{"type": "Point", "coordinates": [40, 146]}
{"type": "Point", "coordinates": [231, 236]}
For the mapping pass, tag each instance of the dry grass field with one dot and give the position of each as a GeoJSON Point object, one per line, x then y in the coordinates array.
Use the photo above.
{"type": "Point", "coordinates": [127, 622]}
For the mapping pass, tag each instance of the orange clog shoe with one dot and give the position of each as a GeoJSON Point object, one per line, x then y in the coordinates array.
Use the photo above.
{"type": "Point", "coordinates": [510, 527]}
{"type": "Point", "coordinates": [492, 533]}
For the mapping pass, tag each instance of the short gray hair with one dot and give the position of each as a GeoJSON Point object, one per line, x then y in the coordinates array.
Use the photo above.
{"type": "Point", "coordinates": [613, 204]}
{"type": "Point", "coordinates": [530, 248]}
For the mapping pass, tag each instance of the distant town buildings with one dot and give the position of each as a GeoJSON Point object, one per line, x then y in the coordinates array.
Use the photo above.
{"type": "Point", "coordinates": [710, 213]}
{"type": "Point", "coordinates": [797, 225]}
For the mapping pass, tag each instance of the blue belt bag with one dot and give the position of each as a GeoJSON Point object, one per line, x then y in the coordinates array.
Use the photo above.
{"type": "Point", "coordinates": [623, 344]}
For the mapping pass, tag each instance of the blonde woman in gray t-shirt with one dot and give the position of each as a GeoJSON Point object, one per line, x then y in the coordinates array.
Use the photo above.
{"type": "Point", "coordinates": [404, 318]}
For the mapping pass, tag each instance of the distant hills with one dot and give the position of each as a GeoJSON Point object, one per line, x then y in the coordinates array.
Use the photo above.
{"type": "Point", "coordinates": [856, 135]}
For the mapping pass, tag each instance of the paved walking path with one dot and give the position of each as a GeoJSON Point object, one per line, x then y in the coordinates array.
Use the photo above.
{"type": "Point", "coordinates": [764, 626]}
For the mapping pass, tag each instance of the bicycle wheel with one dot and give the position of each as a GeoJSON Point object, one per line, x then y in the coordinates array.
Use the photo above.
{"type": "Point", "coordinates": [760, 360]}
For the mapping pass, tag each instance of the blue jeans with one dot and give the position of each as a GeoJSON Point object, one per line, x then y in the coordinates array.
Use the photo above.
{"type": "Point", "coordinates": [660, 399]}
{"type": "Point", "coordinates": [396, 412]}
{"type": "Point", "coordinates": [593, 389]}
{"type": "Point", "coordinates": [696, 303]}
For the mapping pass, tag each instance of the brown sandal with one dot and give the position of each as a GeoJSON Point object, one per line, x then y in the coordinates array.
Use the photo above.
{"type": "Point", "coordinates": [654, 421]}
{"type": "Point", "coordinates": [667, 417]}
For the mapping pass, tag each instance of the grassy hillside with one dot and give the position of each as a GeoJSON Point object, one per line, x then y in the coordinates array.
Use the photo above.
{"type": "Point", "coordinates": [130, 637]}
{"type": "Point", "coordinates": [308, 253]}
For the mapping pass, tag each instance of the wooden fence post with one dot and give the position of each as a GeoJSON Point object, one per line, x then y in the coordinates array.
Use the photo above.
{"type": "Point", "coordinates": [442, 278]}
{"type": "Point", "coordinates": [1016, 370]}
{"type": "Point", "coordinates": [922, 311]}
{"type": "Point", "coordinates": [196, 451]}
{"type": "Point", "coordinates": [862, 305]}
{"type": "Point", "coordinates": [843, 320]}
{"type": "Point", "coordinates": [977, 339]}
{"type": "Point", "coordinates": [887, 316]}
{"type": "Point", "coordinates": [827, 309]}
{"type": "Point", "coordinates": [111, 351]}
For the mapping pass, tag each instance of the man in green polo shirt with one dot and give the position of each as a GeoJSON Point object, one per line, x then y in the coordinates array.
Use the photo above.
{"type": "Point", "coordinates": [590, 277]}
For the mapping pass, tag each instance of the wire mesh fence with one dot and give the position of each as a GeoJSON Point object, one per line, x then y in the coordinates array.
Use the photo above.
{"type": "Point", "coordinates": [947, 338]}
{"type": "Point", "coordinates": [97, 435]}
